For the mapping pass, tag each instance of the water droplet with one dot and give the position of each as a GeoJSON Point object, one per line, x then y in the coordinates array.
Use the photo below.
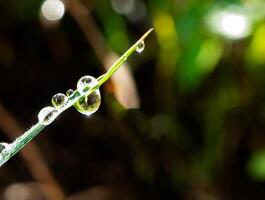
{"type": "Point", "coordinates": [3, 146]}
{"type": "Point", "coordinates": [85, 83]}
{"type": "Point", "coordinates": [140, 46]}
{"type": "Point", "coordinates": [70, 92]}
{"type": "Point", "coordinates": [59, 100]}
{"type": "Point", "coordinates": [90, 104]}
{"type": "Point", "coordinates": [47, 115]}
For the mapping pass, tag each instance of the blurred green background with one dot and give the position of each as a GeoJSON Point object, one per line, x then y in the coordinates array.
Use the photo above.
{"type": "Point", "coordinates": [199, 132]}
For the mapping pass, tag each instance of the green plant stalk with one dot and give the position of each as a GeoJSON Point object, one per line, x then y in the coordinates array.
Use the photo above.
{"type": "Point", "coordinates": [12, 148]}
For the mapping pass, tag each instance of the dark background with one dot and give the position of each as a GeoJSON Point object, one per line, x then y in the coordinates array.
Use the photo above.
{"type": "Point", "coordinates": [199, 130]}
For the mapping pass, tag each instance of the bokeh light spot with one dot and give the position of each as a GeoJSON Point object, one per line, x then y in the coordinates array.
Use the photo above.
{"type": "Point", "coordinates": [52, 10]}
{"type": "Point", "coordinates": [233, 25]}
{"type": "Point", "coordinates": [122, 6]}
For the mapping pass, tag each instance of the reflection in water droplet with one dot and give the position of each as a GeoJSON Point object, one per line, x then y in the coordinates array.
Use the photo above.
{"type": "Point", "coordinates": [69, 92]}
{"type": "Point", "coordinates": [85, 83]}
{"type": "Point", "coordinates": [3, 146]}
{"type": "Point", "coordinates": [90, 104]}
{"type": "Point", "coordinates": [140, 46]}
{"type": "Point", "coordinates": [59, 100]}
{"type": "Point", "coordinates": [47, 115]}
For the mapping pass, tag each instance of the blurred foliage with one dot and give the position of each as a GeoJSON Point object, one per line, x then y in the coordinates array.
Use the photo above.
{"type": "Point", "coordinates": [199, 133]}
{"type": "Point", "coordinates": [257, 165]}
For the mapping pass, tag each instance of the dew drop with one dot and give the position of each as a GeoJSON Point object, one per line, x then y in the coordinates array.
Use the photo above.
{"type": "Point", "coordinates": [140, 47]}
{"type": "Point", "coordinates": [70, 92]}
{"type": "Point", "coordinates": [59, 100]}
{"type": "Point", "coordinates": [47, 115]}
{"type": "Point", "coordinates": [3, 146]}
{"type": "Point", "coordinates": [85, 83]}
{"type": "Point", "coordinates": [90, 104]}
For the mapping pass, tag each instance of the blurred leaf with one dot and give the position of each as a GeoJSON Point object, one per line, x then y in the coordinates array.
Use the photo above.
{"type": "Point", "coordinates": [208, 56]}
{"type": "Point", "coordinates": [168, 41]}
{"type": "Point", "coordinates": [256, 165]}
{"type": "Point", "coordinates": [256, 50]}
{"type": "Point", "coordinates": [114, 26]}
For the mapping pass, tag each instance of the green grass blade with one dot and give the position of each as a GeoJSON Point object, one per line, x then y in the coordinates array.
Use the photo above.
{"type": "Point", "coordinates": [7, 151]}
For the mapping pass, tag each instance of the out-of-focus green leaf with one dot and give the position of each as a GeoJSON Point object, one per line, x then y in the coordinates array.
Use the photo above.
{"type": "Point", "coordinates": [256, 165]}
{"type": "Point", "coordinates": [256, 50]}
{"type": "Point", "coordinates": [208, 56]}
{"type": "Point", "coordinates": [114, 25]}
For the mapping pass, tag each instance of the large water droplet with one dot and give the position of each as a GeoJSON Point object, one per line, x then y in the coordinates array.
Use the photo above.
{"type": "Point", "coordinates": [70, 92]}
{"type": "Point", "coordinates": [59, 100]}
{"type": "Point", "coordinates": [47, 115]}
{"type": "Point", "coordinates": [85, 83]}
{"type": "Point", "coordinates": [90, 104]}
{"type": "Point", "coordinates": [140, 46]}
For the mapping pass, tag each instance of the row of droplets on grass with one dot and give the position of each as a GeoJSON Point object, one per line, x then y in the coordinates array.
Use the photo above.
{"type": "Point", "coordinates": [86, 105]}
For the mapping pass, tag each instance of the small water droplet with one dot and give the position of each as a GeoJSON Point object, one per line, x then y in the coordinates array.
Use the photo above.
{"type": "Point", "coordinates": [85, 83]}
{"type": "Point", "coordinates": [140, 46]}
{"type": "Point", "coordinates": [90, 104]}
{"type": "Point", "coordinates": [47, 115]}
{"type": "Point", "coordinates": [70, 92]}
{"type": "Point", "coordinates": [3, 146]}
{"type": "Point", "coordinates": [59, 100]}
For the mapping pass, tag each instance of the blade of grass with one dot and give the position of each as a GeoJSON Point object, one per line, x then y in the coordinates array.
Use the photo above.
{"type": "Point", "coordinates": [11, 149]}
{"type": "Point", "coordinates": [33, 158]}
